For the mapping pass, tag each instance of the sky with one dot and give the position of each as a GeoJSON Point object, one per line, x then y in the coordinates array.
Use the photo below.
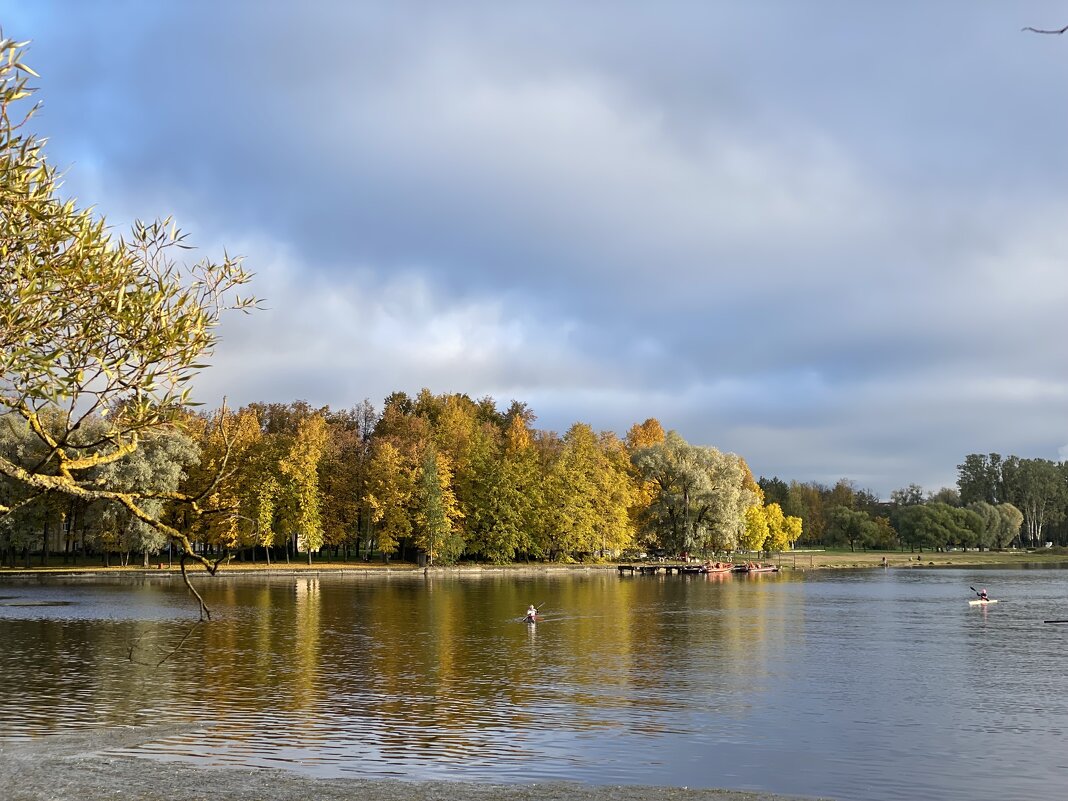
{"type": "Point", "coordinates": [827, 236]}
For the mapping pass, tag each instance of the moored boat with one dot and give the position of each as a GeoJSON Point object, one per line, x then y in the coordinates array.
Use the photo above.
{"type": "Point", "coordinates": [756, 567]}
{"type": "Point", "coordinates": [717, 567]}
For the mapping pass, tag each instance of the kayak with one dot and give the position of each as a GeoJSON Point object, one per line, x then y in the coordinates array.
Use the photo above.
{"type": "Point", "coordinates": [531, 619]}
{"type": "Point", "coordinates": [982, 602]}
{"type": "Point", "coordinates": [770, 569]}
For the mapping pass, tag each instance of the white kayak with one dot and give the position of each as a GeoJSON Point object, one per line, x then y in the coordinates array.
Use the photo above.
{"type": "Point", "coordinates": [982, 601]}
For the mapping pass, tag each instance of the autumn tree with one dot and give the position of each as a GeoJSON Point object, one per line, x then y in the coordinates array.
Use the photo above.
{"type": "Point", "coordinates": [756, 531]}
{"type": "Point", "coordinates": [390, 483]}
{"type": "Point", "coordinates": [300, 471]}
{"type": "Point", "coordinates": [643, 435]}
{"type": "Point", "coordinates": [572, 485]}
{"type": "Point", "coordinates": [342, 475]}
{"type": "Point", "coordinates": [231, 447]}
{"type": "Point", "coordinates": [805, 500]}
{"type": "Point", "coordinates": [768, 529]}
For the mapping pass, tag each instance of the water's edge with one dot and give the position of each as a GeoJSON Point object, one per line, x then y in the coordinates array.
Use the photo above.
{"type": "Point", "coordinates": [78, 766]}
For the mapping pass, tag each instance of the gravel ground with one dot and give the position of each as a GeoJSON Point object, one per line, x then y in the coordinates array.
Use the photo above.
{"type": "Point", "coordinates": [71, 766]}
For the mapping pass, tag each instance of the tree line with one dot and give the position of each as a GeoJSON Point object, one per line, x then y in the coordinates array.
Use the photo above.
{"type": "Point", "coordinates": [446, 478]}
{"type": "Point", "coordinates": [436, 477]}
{"type": "Point", "coordinates": [998, 502]}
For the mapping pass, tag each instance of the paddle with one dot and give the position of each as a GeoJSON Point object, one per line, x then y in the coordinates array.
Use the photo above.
{"type": "Point", "coordinates": [976, 591]}
{"type": "Point", "coordinates": [1055, 621]}
{"type": "Point", "coordinates": [530, 618]}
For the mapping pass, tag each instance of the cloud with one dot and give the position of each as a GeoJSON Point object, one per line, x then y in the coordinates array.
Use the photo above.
{"type": "Point", "coordinates": [824, 239]}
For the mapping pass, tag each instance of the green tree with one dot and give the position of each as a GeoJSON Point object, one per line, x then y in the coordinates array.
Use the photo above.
{"type": "Point", "coordinates": [979, 478]}
{"type": "Point", "coordinates": [504, 518]}
{"type": "Point", "coordinates": [1011, 520]}
{"type": "Point", "coordinates": [437, 511]}
{"type": "Point", "coordinates": [990, 522]}
{"type": "Point", "coordinates": [1037, 488]}
{"type": "Point", "coordinates": [852, 527]}
{"type": "Point", "coordinates": [701, 496]}
{"type": "Point", "coordinates": [775, 490]}
{"type": "Point", "coordinates": [155, 469]}
{"type": "Point", "coordinates": [912, 495]}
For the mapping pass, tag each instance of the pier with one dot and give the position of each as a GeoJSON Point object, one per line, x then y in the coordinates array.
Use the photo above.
{"type": "Point", "coordinates": [657, 567]}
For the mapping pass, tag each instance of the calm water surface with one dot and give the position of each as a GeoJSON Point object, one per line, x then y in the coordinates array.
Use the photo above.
{"type": "Point", "coordinates": [856, 685]}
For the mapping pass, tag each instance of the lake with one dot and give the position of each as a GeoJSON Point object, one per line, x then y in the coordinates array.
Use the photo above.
{"type": "Point", "coordinates": [864, 685]}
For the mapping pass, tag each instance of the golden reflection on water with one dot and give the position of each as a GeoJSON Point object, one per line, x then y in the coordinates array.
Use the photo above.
{"type": "Point", "coordinates": [416, 657]}
{"type": "Point", "coordinates": [699, 680]}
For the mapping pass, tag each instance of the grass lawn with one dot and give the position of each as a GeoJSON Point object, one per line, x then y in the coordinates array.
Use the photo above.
{"type": "Point", "coordinates": [836, 558]}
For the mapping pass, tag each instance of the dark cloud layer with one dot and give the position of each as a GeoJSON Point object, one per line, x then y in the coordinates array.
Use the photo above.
{"type": "Point", "coordinates": [825, 236]}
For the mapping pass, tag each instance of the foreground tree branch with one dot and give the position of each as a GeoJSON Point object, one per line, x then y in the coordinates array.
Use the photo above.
{"type": "Point", "coordinates": [96, 328]}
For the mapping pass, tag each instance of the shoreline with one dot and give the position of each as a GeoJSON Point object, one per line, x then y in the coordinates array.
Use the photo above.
{"type": "Point", "coordinates": [799, 561]}
{"type": "Point", "coordinates": [83, 765]}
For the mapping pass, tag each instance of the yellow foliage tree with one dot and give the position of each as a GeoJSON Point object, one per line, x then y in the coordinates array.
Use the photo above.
{"type": "Point", "coordinates": [300, 469]}
{"type": "Point", "coordinates": [756, 531]}
{"type": "Point", "coordinates": [389, 485]}
{"type": "Point", "coordinates": [785, 531]}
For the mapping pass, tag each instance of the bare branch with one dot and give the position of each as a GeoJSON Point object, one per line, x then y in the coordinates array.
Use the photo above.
{"type": "Point", "coordinates": [166, 655]}
{"type": "Point", "coordinates": [204, 611]}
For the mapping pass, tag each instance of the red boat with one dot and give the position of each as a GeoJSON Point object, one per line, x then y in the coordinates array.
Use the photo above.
{"type": "Point", "coordinates": [717, 569]}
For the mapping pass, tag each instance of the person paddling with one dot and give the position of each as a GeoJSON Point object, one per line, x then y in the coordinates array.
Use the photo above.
{"type": "Point", "coordinates": [532, 613]}
{"type": "Point", "coordinates": [982, 595]}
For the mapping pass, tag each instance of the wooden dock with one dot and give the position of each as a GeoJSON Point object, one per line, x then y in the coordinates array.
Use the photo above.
{"type": "Point", "coordinates": [652, 568]}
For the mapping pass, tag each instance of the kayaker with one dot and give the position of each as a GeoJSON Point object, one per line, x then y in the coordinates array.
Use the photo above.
{"type": "Point", "coordinates": [532, 613]}
{"type": "Point", "coordinates": [982, 594]}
